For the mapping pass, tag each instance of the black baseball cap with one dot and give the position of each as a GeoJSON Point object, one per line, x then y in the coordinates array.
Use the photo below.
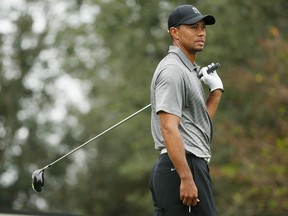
{"type": "Point", "coordinates": [188, 15]}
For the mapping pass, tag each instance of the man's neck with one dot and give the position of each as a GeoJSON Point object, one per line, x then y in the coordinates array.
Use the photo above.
{"type": "Point", "coordinates": [191, 56]}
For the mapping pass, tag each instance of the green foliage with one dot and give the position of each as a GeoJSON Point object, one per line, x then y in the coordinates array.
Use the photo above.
{"type": "Point", "coordinates": [109, 49]}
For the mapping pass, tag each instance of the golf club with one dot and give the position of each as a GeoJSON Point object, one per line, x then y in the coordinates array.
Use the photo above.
{"type": "Point", "coordinates": [38, 175]}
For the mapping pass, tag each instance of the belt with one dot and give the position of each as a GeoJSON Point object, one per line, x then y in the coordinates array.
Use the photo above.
{"type": "Point", "coordinates": [164, 150]}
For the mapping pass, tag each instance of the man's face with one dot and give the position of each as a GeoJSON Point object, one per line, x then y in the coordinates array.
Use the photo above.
{"type": "Point", "coordinates": [191, 37]}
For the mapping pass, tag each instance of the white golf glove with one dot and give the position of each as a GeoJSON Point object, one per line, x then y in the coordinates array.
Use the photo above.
{"type": "Point", "coordinates": [212, 79]}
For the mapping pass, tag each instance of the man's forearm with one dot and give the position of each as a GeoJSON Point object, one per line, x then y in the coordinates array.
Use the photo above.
{"type": "Point", "coordinates": [213, 101]}
{"type": "Point", "coordinates": [177, 155]}
{"type": "Point", "coordinates": [174, 144]}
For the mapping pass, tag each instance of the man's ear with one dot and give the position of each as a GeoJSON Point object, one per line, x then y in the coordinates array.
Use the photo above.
{"type": "Point", "coordinates": [174, 32]}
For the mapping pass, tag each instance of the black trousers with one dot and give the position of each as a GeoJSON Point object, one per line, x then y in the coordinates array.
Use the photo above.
{"type": "Point", "coordinates": [165, 188]}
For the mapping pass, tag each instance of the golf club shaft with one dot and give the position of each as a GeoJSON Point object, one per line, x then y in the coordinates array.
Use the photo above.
{"type": "Point", "coordinates": [94, 138]}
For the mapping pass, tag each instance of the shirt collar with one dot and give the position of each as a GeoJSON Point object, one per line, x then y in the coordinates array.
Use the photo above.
{"type": "Point", "coordinates": [176, 50]}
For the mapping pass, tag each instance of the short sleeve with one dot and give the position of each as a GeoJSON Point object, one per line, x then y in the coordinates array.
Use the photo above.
{"type": "Point", "coordinates": [169, 91]}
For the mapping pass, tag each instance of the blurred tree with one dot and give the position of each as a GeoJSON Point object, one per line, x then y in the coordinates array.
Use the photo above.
{"type": "Point", "coordinates": [250, 157]}
{"type": "Point", "coordinates": [32, 102]}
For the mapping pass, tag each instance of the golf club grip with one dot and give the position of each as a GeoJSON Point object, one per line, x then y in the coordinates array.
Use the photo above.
{"type": "Point", "coordinates": [210, 70]}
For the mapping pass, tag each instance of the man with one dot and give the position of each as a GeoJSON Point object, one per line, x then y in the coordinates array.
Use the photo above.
{"type": "Point", "coordinates": [181, 120]}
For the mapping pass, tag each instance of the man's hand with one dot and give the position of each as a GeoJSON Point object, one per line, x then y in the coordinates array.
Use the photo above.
{"type": "Point", "coordinates": [188, 192]}
{"type": "Point", "coordinates": [212, 80]}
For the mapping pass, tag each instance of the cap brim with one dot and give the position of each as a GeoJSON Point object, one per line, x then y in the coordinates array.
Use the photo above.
{"type": "Point", "coordinates": [208, 19]}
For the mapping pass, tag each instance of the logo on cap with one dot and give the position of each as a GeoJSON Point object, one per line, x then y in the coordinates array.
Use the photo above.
{"type": "Point", "coordinates": [195, 10]}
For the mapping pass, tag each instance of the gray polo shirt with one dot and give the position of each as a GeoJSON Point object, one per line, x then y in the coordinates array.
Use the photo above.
{"type": "Point", "coordinates": [176, 89]}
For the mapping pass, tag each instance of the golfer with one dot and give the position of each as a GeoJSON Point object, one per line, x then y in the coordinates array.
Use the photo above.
{"type": "Point", "coordinates": [181, 120]}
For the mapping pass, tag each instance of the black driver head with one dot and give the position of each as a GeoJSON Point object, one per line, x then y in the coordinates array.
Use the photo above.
{"type": "Point", "coordinates": [38, 180]}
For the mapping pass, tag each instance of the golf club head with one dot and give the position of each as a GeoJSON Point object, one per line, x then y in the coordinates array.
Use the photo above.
{"type": "Point", "coordinates": [38, 180]}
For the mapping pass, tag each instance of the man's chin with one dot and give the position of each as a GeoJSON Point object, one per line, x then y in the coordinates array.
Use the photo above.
{"type": "Point", "coordinates": [198, 49]}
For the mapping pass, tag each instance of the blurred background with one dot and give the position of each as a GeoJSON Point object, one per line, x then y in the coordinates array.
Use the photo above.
{"type": "Point", "coordinates": [71, 69]}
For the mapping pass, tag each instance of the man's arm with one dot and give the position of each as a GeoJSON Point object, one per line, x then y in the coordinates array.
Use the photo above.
{"type": "Point", "coordinates": [213, 101]}
{"type": "Point", "coordinates": [173, 141]}
{"type": "Point", "coordinates": [216, 89]}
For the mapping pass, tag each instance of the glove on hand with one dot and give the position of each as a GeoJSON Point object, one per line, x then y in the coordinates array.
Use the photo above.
{"type": "Point", "coordinates": [212, 79]}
